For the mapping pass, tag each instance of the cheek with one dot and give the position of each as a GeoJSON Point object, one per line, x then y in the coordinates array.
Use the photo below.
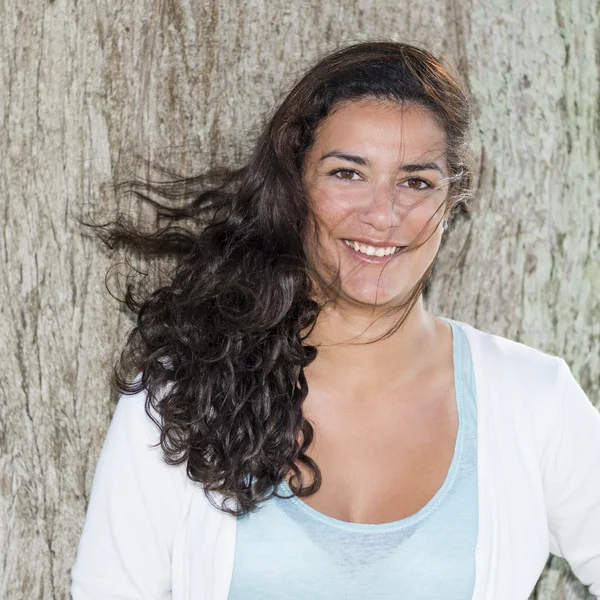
{"type": "Point", "coordinates": [332, 208]}
{"type": "Point", "coordinates": [423, 217]}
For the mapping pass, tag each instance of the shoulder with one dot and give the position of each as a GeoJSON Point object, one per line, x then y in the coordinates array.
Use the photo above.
{"type": "Point", "coordinates": [133, 438]}
{"type": "Point", "coordinates": [520, 387]}
{"type": "Point", "coordinates": [131, 415]}
{"type": "Point", "coordinates": [510, 361]}
{"type": "Point", "coordinates": [131, 425]}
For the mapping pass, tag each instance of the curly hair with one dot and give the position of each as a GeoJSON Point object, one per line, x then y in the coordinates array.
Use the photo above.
{"type": "Point", "coordinates": [221, 348]}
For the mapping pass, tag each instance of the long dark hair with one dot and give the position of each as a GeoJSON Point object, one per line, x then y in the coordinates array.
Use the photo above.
{"type": "Point", "coordinates": [221, 345]}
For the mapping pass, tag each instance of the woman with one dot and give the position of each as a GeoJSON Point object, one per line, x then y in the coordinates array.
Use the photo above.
{"type": "Point", "coordinates": [311, 431]}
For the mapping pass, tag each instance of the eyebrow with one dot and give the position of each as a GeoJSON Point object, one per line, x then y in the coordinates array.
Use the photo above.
{"type": "Point", "coordinates": [359, 160]}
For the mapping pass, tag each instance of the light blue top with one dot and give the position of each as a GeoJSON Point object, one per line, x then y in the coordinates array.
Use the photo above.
{"type": "Point", "coordinates": [286, 549]}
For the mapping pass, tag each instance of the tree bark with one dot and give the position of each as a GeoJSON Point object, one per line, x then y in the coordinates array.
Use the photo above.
{"type": "Point", "coordinates": [187, 84]}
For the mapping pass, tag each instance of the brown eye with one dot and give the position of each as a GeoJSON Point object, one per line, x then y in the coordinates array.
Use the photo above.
{"type": "Point", "coordinates": [415, 184]}
{"type": "Point", "coordinates": [346, 174]}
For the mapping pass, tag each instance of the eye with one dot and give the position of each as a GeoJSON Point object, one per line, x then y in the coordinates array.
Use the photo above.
{"type": "Point", "coordinates": [345, 174]}
{"type": "Point", "coordinates": [418, 184]}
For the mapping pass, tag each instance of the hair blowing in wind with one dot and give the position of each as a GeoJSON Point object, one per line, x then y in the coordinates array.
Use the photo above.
{"type": "Point", "coordinates": [221, 348]}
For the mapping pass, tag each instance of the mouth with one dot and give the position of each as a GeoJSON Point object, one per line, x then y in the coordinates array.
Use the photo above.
{"type": "Point", "coordinates": [372, 254]}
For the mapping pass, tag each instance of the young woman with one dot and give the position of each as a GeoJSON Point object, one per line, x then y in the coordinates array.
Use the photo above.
{"type": "Point", "coordinates": [301, 426]}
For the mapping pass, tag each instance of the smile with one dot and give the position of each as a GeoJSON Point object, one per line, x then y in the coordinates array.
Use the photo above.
{"type": "Point", "coordinates": [371, 255]}
{"type": "Point", "coordinates": [372, 250]}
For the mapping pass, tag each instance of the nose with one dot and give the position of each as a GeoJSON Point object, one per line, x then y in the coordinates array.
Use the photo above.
{"type": "Point", "coordinates": [381, 208]}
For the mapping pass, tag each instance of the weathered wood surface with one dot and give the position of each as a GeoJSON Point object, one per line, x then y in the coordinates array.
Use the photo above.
{"type": "Point", "coordinates": [84, 84]}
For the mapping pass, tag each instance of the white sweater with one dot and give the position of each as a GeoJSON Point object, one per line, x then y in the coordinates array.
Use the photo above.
{"type": "Point", "coordinates": [151, 533]}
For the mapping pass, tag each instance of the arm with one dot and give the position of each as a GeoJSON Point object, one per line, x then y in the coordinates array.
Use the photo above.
{"type": "Point", "coordinates": [125, 549]}
{"type": "Point", "coordinates": [571, 475]}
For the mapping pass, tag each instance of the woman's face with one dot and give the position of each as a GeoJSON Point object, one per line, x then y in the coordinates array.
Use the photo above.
{"type": "Point", "coordinates": [375, 179]}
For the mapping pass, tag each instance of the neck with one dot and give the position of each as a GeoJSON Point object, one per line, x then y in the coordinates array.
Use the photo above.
{"type": "Point", "coordinates": [348, 363]}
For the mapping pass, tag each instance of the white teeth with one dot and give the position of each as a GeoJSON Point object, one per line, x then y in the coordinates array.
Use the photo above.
{"type": "Point", "coordinates": [372, 250]}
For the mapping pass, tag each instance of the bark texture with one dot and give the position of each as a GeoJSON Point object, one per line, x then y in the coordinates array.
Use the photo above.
{"type": "Point", "coordinates": [185, 83]}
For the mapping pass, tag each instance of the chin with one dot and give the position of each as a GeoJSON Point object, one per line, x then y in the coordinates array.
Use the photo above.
{"type": "Point", "coordinates": [376, 289]}
{"type": "Point", "coordinates": [373, 297]}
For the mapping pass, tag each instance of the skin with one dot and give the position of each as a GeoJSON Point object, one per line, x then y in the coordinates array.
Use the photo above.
{"type": "Point", "coordinates": [384, 413]}
{"type": "Point", "coordinates": [381, 201]}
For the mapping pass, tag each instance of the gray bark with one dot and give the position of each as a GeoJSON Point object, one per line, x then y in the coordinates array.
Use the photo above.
{"type": "Point", "coordinates": [182, 82]}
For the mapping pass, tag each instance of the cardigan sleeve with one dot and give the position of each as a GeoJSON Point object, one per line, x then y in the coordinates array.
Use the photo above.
{"type": "Point", "coordinates": [125, 548]}
{"type": "Point", "coordinates": [571, 475]}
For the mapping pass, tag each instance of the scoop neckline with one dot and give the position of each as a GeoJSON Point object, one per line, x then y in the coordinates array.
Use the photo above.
{"type": "Point", "coordinates": [441, 493]}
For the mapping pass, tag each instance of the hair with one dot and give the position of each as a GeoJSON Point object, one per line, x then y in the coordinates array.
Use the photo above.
{"type": "Point", "coordinates": [220, 348]}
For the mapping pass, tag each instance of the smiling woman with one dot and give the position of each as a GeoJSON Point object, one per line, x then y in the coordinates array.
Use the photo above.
{"type": "Point", "coordinates": [376, 178]}
{"type": "Point", "coordinates": [299, 424]}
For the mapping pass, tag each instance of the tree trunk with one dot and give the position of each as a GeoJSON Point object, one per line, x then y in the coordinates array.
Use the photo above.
{"type": "Point", "coordinates": [185, 83]}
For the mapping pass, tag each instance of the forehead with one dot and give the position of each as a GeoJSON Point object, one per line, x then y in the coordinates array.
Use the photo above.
{"type": "Point", "coordinates": [382, 129]}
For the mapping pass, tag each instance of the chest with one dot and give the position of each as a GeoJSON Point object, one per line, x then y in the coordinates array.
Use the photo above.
{"type": "Point", "coordinates": [382, 460]}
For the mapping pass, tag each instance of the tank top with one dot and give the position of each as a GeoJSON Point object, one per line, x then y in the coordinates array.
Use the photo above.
{"type": "Point", "coordinates": [287, 550]}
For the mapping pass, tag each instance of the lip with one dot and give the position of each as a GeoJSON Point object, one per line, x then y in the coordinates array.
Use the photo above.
{"type": "Point", "coordinates": [375, 243]}
{"type": "Point", "coordinates": [372, 260]}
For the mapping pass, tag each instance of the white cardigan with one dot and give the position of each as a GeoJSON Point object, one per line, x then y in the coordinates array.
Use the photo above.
{"type": "Point", "coordinates": [151, 533]}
